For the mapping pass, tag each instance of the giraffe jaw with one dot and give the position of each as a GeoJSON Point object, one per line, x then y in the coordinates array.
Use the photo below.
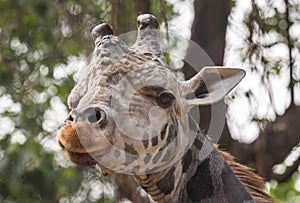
{"type": "Point", "coordinates": [79, 158]}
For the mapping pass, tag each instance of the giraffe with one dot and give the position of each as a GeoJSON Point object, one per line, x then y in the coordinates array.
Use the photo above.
{"type": "Point", "coordinates": [129, 114]}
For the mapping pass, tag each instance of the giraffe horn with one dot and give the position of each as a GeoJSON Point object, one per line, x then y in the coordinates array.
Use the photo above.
{"type": "Point", "coordinates": [147, 21]}
{"type": "Point", "coordinates": [101, 30]}
{"type": "Point", "coordinates": [108, 48]}
{"type": "Point", "coordinates": [148, 37]}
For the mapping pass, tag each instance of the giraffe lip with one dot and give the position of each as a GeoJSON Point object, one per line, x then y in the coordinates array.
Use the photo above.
{"type": "Point", "coordinates": [83, 150]}
{"type": "Point", "coordinates": [79, 158]}
{"type": "Point", "coordinates": [79, 149]}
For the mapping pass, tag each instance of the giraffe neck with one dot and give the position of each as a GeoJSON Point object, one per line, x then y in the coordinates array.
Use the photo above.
{"type": "Point", "coordinates": [196, 178]}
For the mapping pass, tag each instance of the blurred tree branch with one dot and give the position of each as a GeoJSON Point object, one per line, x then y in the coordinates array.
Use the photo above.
{"type": "Point", "coordinates": [277, 138]}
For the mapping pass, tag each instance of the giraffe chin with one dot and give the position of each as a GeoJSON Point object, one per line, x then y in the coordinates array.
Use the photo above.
{"type": "Point", "coordinates": [80, 158]}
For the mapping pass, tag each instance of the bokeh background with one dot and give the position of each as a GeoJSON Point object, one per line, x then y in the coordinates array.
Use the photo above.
{"type": "Point", "coordinates": [44, 44]}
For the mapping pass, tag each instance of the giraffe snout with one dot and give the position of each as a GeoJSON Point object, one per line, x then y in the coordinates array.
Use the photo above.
{"type": "Point", "coordinates": [84, 135]}
{"type": "Point", "coordinates": [91, 115]}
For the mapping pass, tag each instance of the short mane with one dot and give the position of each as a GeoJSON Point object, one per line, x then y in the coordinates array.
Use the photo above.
{"type": "Point", "coordinates": [253, 183]}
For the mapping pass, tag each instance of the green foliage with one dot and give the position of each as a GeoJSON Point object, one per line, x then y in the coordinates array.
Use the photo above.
{"type": "Point", "coordinates": [162, 10]}
{"type": "Point", "coordinates": [35, 38]}
{"type": "Point", "coordinates": [28, 173]}
{"type": "Point", "coordinates": [286, 192]}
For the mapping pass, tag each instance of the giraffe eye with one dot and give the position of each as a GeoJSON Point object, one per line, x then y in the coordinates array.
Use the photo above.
{"type": "Point", "coordinates": [165, 100]}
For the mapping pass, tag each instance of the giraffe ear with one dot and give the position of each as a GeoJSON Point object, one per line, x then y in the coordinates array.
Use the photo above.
{"type": "Point", "coordinates": [211, 85]}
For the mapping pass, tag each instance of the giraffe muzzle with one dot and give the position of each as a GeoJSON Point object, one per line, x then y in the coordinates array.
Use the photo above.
{"type": "Point", "coordinates": [84, 137]}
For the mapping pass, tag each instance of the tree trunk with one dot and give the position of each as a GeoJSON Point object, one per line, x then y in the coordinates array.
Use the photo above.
{"type": "Point", "coordinates": [276, 142]}
{"type": "Point", "coordinates": [123, 16]}
{"type": "Point", "coordinates": [143, 6]}
{"type": "Point", "coordinates": [209, 29]}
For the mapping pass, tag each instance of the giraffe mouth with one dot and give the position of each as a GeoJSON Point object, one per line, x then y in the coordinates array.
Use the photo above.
{"type": "Point", "coordinates": [79, 157]}
{"type": "Point", "coordinates": [79, 150]}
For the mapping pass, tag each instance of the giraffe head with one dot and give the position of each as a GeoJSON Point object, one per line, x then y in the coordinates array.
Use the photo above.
{"type": "Point", "coordinates": [129, 112]}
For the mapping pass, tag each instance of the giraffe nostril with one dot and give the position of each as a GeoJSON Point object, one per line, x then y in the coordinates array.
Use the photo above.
{"type": "Point", "coordinates": [70, 118]}
{"type": "Point", "coordinates": [96, 115]}
{"type": "Point", "coordinates": [68, 121]}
